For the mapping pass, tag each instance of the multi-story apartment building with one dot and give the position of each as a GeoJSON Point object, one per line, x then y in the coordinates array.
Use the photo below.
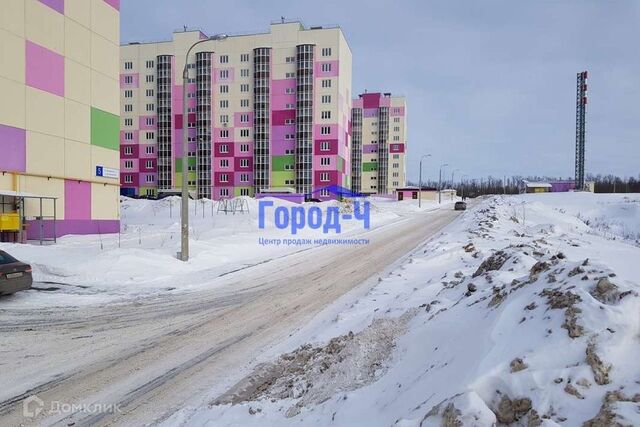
{"type": "Point", "coordinates": [59, 108]}
{"type": "Point", "coordinates": [379, 143]}
{"type": "Point", "coordinates": [265, 111]}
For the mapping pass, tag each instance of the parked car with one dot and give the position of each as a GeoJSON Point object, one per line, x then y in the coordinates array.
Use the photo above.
{"type": "Point", "coordinates": [460, 206]}
{"type": "Point", "coordinates": [14, 275]}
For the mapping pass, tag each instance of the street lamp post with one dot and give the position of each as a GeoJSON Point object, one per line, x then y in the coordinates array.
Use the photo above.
{"type": "Point", "coordinates": [452, 174]}
{"type": "Point", "coordinates": [440, 182]}
{"type": "Point", "coordinates": [420, 182]}
{"type": "Point", "coordinates": [462, 185]}
{"type": "Point", "coordinates": [184, 214]}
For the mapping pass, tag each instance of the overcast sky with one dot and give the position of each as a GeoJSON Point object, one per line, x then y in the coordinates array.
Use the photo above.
{"type": "Point", "coordinates": [490, 85]}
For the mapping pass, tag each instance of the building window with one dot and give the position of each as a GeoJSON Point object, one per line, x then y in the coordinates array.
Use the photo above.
{"type": "Point", "coordinates": [224, 103]}
{"type": "Point", "coordinates": [224, 89]}
{"type": "Point", "coordinates": [224, 59]}
{"type": "Point", "coordinates": [128, 151]}
{"type": "Point", "coordinates": [244, 191]}
{"type": "Point", "coordinates": [325, 130]}
{"type": "Point", "coordinates": [325, 146]}
{"type": "Point", "coordinates": [150, 136]}
{"type": "Point", "coordinates": [191, 125]}
{"type": "Point", "coordinates": [224, 133]}
{"type": "Point", "coordinates": [128, 122]}
{"type": "Point", "coordinates": [150, 121]}
{"type": "Point", "coordinates": [150, 64]}
{"type": "Point", "coordinates": [128, 80]}
{"type": "Point", "coordinates": [128, 94]}
{"type": "Point", "coordinates": [325, 161]}
{"type": "Point", "coordinates": [244, 118]}
{"type": "Point", "coordinates": [244, 177]}
{"type": "Point", "coordinates": [128, 136]}
{"type": "Point", "coordinates": [396, 137]}
{"type": "Point", "coordinates": [244, 148]}
{"type": "Point", "coordinates": [224, 148]}
{"type": "Point", "coordinates": [244, 133]}
{"type": "Point", "coordinates": [224, 163]}
{"type": "Point", "coordinates": [150, 92]}
{"type": "Point", "coordinates": [290, 106]}
{"type": "Point", "coordinates": [290, 59]}
{"type": "Point", "coordinates": [224, 177]}
{"type": "Point", "coordinates": [224, 192]}
{"type": "Point", "coordinates": [290, 75]}
{"type": "Point", "coordinates": [148, 164]}
{"type": "Point", "coordinates": [289, 151]}
{"type": "Point", "coordinates": [326, 114]}
{"type": "Point", "coordinates": [128, 179]}
{"type": "Point", "coordinates": [244, 57]}
{"type": "Point", "coordinates": [128, 65]}
{"type": "Point", "coordinates": [224, 118]}
{"type": "Point", "coordinates": [244, 163]}
{"type": "Point", "coordinates": [326, 51]}
{"type": "Point", "coordinates": [289, 90]}
{"type": "Point", "coordinates": [150, 149]}
{"type": "Point", "coordinates": [224, 74]}
{"type": "Point", "coordinates": [150, 78]}
{"type": "Point", "coordinates": [326, 99]}
{"type": "Point", "coordinates": [289, 121]}
{"type": "Point", "coordinates": [150, 180]}
{"type": "Point", "coordinates": [324, 177]}
{"type": "Point", "coordinates": [289, 136]}
{"type": "Point", "coordinates": [150, 107]}
{"type": "Point", "coordinates": [326, 67]}
{"type": "Point", "coordinates": [244, 72]}
{"type": "Point", "coordinates": [244, 87]}
{"type": "Point", "coordinates": [244, 103]}
{"type": "Point", "coordinates": [326, 82]}
{"type": "Point", "coordinates": [128, 164]}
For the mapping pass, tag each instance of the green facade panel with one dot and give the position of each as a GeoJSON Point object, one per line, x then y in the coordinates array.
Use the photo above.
{"type": "Point", "coordinates": [369, 166]}
{"type": "Point", "coordinates": [105, 129]}
{"type": "Point", "coordinates": [278, 179]}
{"type": "Point", "coordinates": [278, 163]}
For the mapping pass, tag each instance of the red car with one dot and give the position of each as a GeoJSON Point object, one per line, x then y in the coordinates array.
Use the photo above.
{"type": "Point", "coordinates": [14, 275]}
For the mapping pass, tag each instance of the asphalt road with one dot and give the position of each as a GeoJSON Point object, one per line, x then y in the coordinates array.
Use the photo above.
{"type": "Point", "coordinates": [151, 357]}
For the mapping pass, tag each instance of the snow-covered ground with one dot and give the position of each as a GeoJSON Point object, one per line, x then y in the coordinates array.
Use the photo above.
{"type": "Point", "coordinates": [525, 312]}
{"type": "Point", "coordinates": [142, 261]}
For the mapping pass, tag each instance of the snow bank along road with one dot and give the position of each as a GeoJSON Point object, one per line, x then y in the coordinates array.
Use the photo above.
{"type": "Point", "coordinates": [150, 357]}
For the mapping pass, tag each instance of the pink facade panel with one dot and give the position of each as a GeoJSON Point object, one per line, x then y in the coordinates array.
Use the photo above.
{"type": "Point", "coordinates": [129, 165]}
{"type": "Point", "coordinates": [129, 136]}
{"type": "Point", "coordinates": [396, 148]}
{"type": "Point", "coordinates": [243, 179]}
{"type": "Point", "coordinates": [279, 133]}
{"type": "Point", "coordinates": [280, 148]}
{"type": "Point", "coordinates": [57, 5]}
{"type": "Point", "coordinates": [129, 179]}
{"type": "Point", "coordinates": [243, 119]}
{"type": "Point", "coordinates": [279, 117]}
{"type": "Point", "coordinates": [224, 179]}
{"type": "Point", "coordinates": [142, 123]}
{"type": "Point", "coordinates": [369, 148]}
{"type": "Point", "coordinates": [147, 165]}
{"type": "Point", "coordinates": [44, 69]}
{"type": "Point", "coordinates": [223, 149]}
{"type": "Point", "coordinates": [333, 147]}
{"type": "Point", "coordinates": [77, 200]}
{"type": "Point", "coordinates": [283, 102]}
{"type": "Point", "coordinates": [152, 154]}
{"type": "Point", "coordinates": [134, 149]}
{"type": "Point", "coordinates": [113, 3]}
{"type": "Point", "coordinates": [243, 164]}
{"type": "Point", "coordinates": [13, 149]}
{"type": "Point", "coordinates": [319, 134]}
{"type": "Point", "coordinates": [371, 100]}
{"type": "Point", "coordinates": [318, 160]}
{"type": "Point", "coordinates": [326, 69]}
{"type": "Point", "coordinates": [325, 178]}
{"type": "Point", "coordinates": [129, 80]}
{"type": "Point", "coordinates": [369, 113]}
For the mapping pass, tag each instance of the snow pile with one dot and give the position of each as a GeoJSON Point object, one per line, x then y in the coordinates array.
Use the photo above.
{"type": "Point", "coordinates": [142, 261]}
{"type": "Point", "coordinates": [518, 314]}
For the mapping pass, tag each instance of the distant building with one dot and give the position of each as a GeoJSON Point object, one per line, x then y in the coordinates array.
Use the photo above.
{"type": "Point", "coordinates": [562, 186]}
{"type": "Point", "coordinates": [379, 143]}
{"type": "Point", "coordinates": [535, 187]}
{"type": "Point", "coordinates": [411, 193]}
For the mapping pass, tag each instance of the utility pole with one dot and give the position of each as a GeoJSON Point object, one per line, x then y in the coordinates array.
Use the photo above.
{"type": "Point", "coordinates": [440, 183]}
{"type": "Point", "coordinates": [420, 182]}
{"type": "Point", "coordinates": [184, 213]}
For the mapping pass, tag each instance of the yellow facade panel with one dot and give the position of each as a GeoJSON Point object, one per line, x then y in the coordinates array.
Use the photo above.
{"type": "Point", "coordinates": [45, 155]}
{"type": "Point", "coordinates": [77, 82]}
{"type": "Point", "coordinates": [12, 103]}
{"type": "Point", "coordinates": [12, 56]}
{"type": "Point", "coordinates": [77, 121]}
{"type": "Point", "coordinates": [79, 11]}
{"type": "Point", "coordinates": [103, 53]}
{"type": "Point", "coordinates": [105, 201]}
{"type": "Point", "coordinates": [104, 157]}
{"type": "Point", "coordinates": [105, 93]}
{"type": "Point", "coordinates": [78, 42]}
{"type": "Point", "coordinates": [12, 16]}
{"type": "Point", "coordinates": [77, 163]}
{"type": "Point", "coordinates": [105, 20]}
{"type": "Point", "coordinates": [44, 186]}
{"type": "Point", "coordinates": [45, 112]}
{"type": "Point", "coordinates": [44, 26]}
